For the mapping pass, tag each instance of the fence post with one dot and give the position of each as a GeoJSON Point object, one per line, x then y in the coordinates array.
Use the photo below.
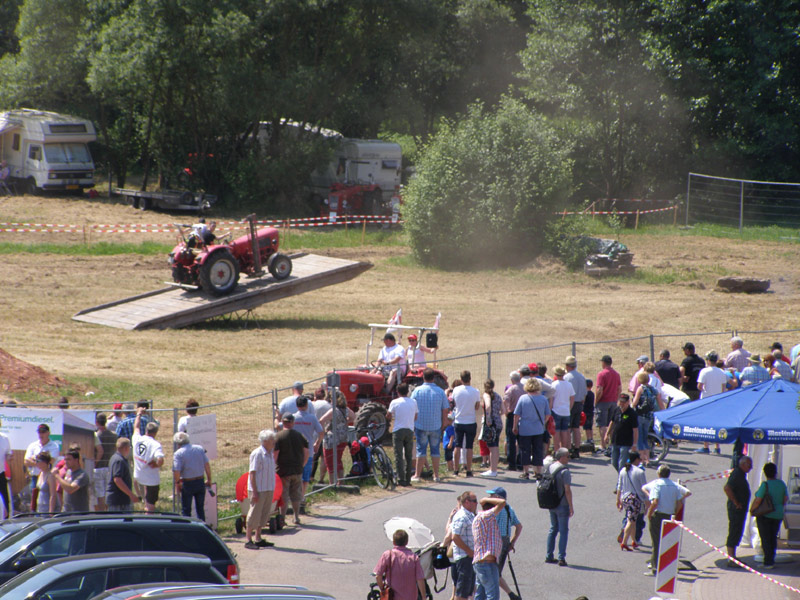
{"type": "Point", "coordinates": [741, 205]}
{"type": "Point", "coordinates": [652, 348]}
{"type": "Point", "coordinates": [174, 487]}
{"type": "Point", "coordinates": [636, 226]}
{"type": "Point", "coordinates": [674, 215]}
{"type": "Point", "coordinates": [688, 193]}
{"type": "Point", "coordinates": [574, 349]}
{"type": "Point", "coordinates": [489, 364]}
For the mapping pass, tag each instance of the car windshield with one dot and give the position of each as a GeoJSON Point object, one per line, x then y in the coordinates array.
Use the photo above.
{"type": "Point", "coordinates": [29, 582]}
{"type": "Point", "coordinates": [22, 538]}
{"type": "Point", "coordinates": [67, 153]}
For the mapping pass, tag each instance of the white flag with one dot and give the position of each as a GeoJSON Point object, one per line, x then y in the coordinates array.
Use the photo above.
{"type": "Point", "coordinates": [397, 319]}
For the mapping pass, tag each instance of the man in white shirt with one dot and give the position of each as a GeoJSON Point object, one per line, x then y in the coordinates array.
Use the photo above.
{"type": "Point", "coordinates": [403, 413]}
{"type": "Point", "coordinates": [711, 381]}
{"type": "Point", "coordinates": [466, 399]}
{"type": "Point", "coordinates": [44, 443]}
{"type": "Point", "coordinates": [148, 457]}
{"type": "Point", "coordinates": [260, 489]}
{"type": "Point", "coordinates": [289, 404]}
{"type": "Point", "coordinates": [666, 497]}
{"type": "Point", "coordinates": [392, 359]}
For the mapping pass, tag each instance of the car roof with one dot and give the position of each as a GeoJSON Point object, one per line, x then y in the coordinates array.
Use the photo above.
{"type": "Point", "coordinates": [79, 518]}
{"type": "Point", "coordinates": [204, 591]}
{"type": "Point", "coordinates": [90, 561]}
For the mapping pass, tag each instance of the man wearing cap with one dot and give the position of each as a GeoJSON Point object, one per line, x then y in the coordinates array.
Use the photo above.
{"type": "Point", "coordinates": [634, 382]}
{"type": "Point", "coordinates": [737, 358]}
{"type": "Point", "coordinates": [578, 382]}
{"type": "Point", "coordinates": [43, 443]}
{"type": "Point", "coordinates": [306, 422]}
{"type": "Point", "coordinates": [691, 366]}
{"type": "Point", "coordinates": [560, 516]}
{"type": "Point", "coordinates": [291, 456]}
{"type": "Point", "coordinates": [116, 418]}
{"type": "Point", "coordinates": [289, 404]}
{"type": "Point", "coordinates": [487, 550]}
{"type": "Point", "coordinates": [609, 385]}
{"type": "Point", "coordinates": [415, 353]}
{"type": "Point", "coordinates": [506, 521]}
{"type": "Point", "coordinates": [510, 399]}
{"type": "Point", "coordinates": [754, 373]}
{"type": "Point", "coordinates": [148, 457]}
{"type": "Point", "coordinates": [189, 463]}
{"type": "Point", "coordinates": [392, 360]}
{"type": "Point", "coordinates": [125, 428]}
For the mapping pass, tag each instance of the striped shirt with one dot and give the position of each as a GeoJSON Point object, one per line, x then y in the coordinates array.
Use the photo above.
{"type": "Point", "coordinates": [262, 461]}
{"type": "Point", "coordinates": [462, 527]}
{"type": "Point", "coordinates": [486, 534]}
{"type": "Point", "coordinates": [431, 401]}
{"type": "Point", "coordinates": [754, 374]}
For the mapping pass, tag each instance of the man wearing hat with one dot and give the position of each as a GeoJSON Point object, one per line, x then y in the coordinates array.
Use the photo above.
{"type": "Point", "coordinates": [609, 385]}
{"type": "Point", "coordinates": [415, 354]}
{"type": "Point", "coordinates": [115, 419]}
{"type": "Point", "coordinates": [43, 443]}
{"type": "Point", "coordinates": [392, 358]}
{"type": "Point", "coordinates": [690, 369]}
{"type": "Point", "coordinates": [755, 373]}
{"type": "Point", "coordinates": [506, 521]}
{"type": "Point", "coordinates": [289, 404]}
{"type": "Point", "coordinates": [634, 382]}
{"type": "Point", "coordinates": [578, 382]}
{"type": "Point", "coordinates": [291, 456]}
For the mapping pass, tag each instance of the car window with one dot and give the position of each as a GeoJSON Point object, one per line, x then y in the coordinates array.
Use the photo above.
{"type": "Point", "coordinates": [120, 540]}
{"type": "Point", "coordinates": [196, 539]}
{"type": "Point", "coordinates": [68, 543]}
{"type": "Point", "coordinates": [134, 575]}
{"type": "Point", "coordinates": [75, 587]}
{"type": "Point", "coordinates": [24, 537]}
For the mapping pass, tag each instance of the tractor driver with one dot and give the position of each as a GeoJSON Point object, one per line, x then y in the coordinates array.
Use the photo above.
{"type": "Point", "coordinates": [203, 233]}
{"type": "Point", "coordinates": [392, 361]}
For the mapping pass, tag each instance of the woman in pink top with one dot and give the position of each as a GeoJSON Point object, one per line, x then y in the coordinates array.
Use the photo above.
{"type": "Point", "coordinates": [400, 569]}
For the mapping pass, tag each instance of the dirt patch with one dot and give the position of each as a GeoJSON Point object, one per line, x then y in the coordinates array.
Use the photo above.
{"type": "Point", "coordinates": [18, 376]}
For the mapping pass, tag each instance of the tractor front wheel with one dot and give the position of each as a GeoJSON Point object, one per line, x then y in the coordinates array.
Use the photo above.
{"type": "Point", "coordinates": [280, 266]}
{"type": "Point", "coordinates": [372, 412]}
{"type": "Point", "coordinates": [220, 273]}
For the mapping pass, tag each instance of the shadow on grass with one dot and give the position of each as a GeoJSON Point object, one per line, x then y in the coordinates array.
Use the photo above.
{"type": "Point", "coordinates": [237, 322]}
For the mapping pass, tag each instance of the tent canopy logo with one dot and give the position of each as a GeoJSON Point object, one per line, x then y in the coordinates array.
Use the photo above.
{"type": "Point", "coordinates": [758, 434]}
{"type": "Point", "coordinates": [722, 434]}
{"type": "Point", "coordinates": [676, 429]}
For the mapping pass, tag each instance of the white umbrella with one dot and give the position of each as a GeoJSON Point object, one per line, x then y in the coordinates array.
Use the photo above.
{"type": "Point", "coordinates": [675, 396]}
{"type": "Point", "coordinates": [419, 536]}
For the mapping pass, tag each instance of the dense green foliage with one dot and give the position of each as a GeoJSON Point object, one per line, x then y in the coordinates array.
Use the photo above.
{"type": "Point", "coordinates": [486, 187]}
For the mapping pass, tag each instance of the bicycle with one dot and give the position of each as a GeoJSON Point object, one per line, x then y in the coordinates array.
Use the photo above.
{"type": "Point", "coordinates": [381, 466]}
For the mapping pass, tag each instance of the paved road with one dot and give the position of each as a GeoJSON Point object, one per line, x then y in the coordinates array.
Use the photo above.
{"type": "Point", "coordinates": [337, 551]}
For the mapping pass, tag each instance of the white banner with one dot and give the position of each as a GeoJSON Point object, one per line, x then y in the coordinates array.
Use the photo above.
{"type": "Point", "coordinates": [202, 430]}
{"type": "Point", "coordinates": [20, 425]}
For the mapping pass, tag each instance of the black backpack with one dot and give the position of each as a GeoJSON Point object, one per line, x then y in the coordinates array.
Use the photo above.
{"type": "Point", "coordinates": [647, 401]}
{"type": "Point", "coordinates": [547, 490]}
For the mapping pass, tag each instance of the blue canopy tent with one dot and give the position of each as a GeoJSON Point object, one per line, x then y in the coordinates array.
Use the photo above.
{"type": "Point", "coordinates": [764, 413]}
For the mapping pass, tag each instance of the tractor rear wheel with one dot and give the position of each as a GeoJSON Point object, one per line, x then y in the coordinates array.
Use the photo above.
{"type": "Point", "coordinates": [220, 273]}
{"type": "Point", "coordinates": [372, 412]}
{"type": "Point", "coordinates": [280, 266]}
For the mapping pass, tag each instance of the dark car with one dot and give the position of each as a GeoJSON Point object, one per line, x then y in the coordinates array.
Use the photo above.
{"type": "Point", "coordinates": [194, 591]}
{"type": "Point", "coordinates": [83, 577]}
{"type": "Point", "coordinates": [71, 535]}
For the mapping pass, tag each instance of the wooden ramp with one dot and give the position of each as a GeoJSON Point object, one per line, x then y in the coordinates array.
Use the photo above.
{"type": "Point", "coordinates": [172, 307]}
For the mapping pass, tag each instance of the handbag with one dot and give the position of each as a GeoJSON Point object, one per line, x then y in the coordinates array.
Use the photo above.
{"type": "Point", "coordinates": [766, 506]}
{"type": "Point", "coordinates": [387, 593]}
{"type": "Point", "coordinates": [489, 433]}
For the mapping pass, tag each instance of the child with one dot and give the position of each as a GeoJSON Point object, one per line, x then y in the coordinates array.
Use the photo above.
{"type": "Point", "coordinates": [588, 410]}
{"type": "Point", "coordinates": [449, 441]}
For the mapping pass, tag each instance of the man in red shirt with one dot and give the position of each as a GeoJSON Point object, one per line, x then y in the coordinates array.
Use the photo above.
{"type": "Point", "coordinates": [608, 387]}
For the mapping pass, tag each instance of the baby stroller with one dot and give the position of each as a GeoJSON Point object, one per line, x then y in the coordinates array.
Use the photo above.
{"type": "Point", "coordinates": [421, 541]}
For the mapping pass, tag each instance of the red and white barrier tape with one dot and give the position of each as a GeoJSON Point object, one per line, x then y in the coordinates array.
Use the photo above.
{"type": "Point", "coordinates": [738, 562]}
{"type": "Point", "coordinates": [617, 212]}
{"type": "Point", "coordinates": [720, 475]}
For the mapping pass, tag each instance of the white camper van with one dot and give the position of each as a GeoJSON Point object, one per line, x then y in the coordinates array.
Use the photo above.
{"type": "Point", "coordinates": [47, 151]}
{"type": "Point", "coordinates": [355, 161]}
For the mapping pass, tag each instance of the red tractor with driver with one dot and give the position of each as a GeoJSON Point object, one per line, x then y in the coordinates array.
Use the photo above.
{"type": "Point", "coordinates": [365, 391]}
{"type": "Point", "coordinates": [201, 260]}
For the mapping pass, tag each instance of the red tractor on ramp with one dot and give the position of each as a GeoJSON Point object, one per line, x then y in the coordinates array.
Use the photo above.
{"type": "Point", "coordinates": [201, 260]}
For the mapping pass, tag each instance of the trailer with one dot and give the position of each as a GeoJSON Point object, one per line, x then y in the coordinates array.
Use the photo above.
{"type": "Point", "coordinates": [168, 200]}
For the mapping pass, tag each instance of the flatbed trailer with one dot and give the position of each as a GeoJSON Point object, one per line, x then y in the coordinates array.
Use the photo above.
{"type": "Point", "coordinates": [173, 307]}
{"type": "Point", "coordinates": [168, 199]}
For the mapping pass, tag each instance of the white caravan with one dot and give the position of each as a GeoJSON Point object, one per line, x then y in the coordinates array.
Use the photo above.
{"type": "Point", "coordinates": [355, 161]}
{"type": "Point", "coordinates": [47, 151]}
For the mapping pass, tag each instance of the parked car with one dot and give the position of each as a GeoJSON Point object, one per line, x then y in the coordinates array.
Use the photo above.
{"type": "Point", "coordinates": [211, 592]}
{"type": "Point", "coordinates": [10, 526]}
{"type": "Point", "coordinates": [71, 535]}
{"type": "Point", "coordinates": [83, 577]}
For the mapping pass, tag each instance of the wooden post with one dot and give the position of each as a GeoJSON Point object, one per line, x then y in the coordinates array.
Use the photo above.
{"type": "Point", "coordinates": [85, 241]}
{"type": "Point", "coordinates": [257, 270]}
{"type": "Point", "coordinates": [674, 215]}
{"type": "Point", "coordinates": [564, 216]}
{"type": "Point", "coordinates": [363, 230]}
{"type": "Point", "coordinates": [636, 225]}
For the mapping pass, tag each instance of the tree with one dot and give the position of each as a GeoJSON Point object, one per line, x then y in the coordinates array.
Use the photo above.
{"type": "Point", "coordinates": [588, 66]}
{"type": "Point", "coordinates": [486, 187]}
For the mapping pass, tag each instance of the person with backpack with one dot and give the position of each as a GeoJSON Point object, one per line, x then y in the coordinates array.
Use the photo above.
{"type": "Point", "coordinates": [510, 530]}
{"type": "Point", "coordinates": [645, 403]}
{"type": "Point", "coordinates": [555, 494]}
